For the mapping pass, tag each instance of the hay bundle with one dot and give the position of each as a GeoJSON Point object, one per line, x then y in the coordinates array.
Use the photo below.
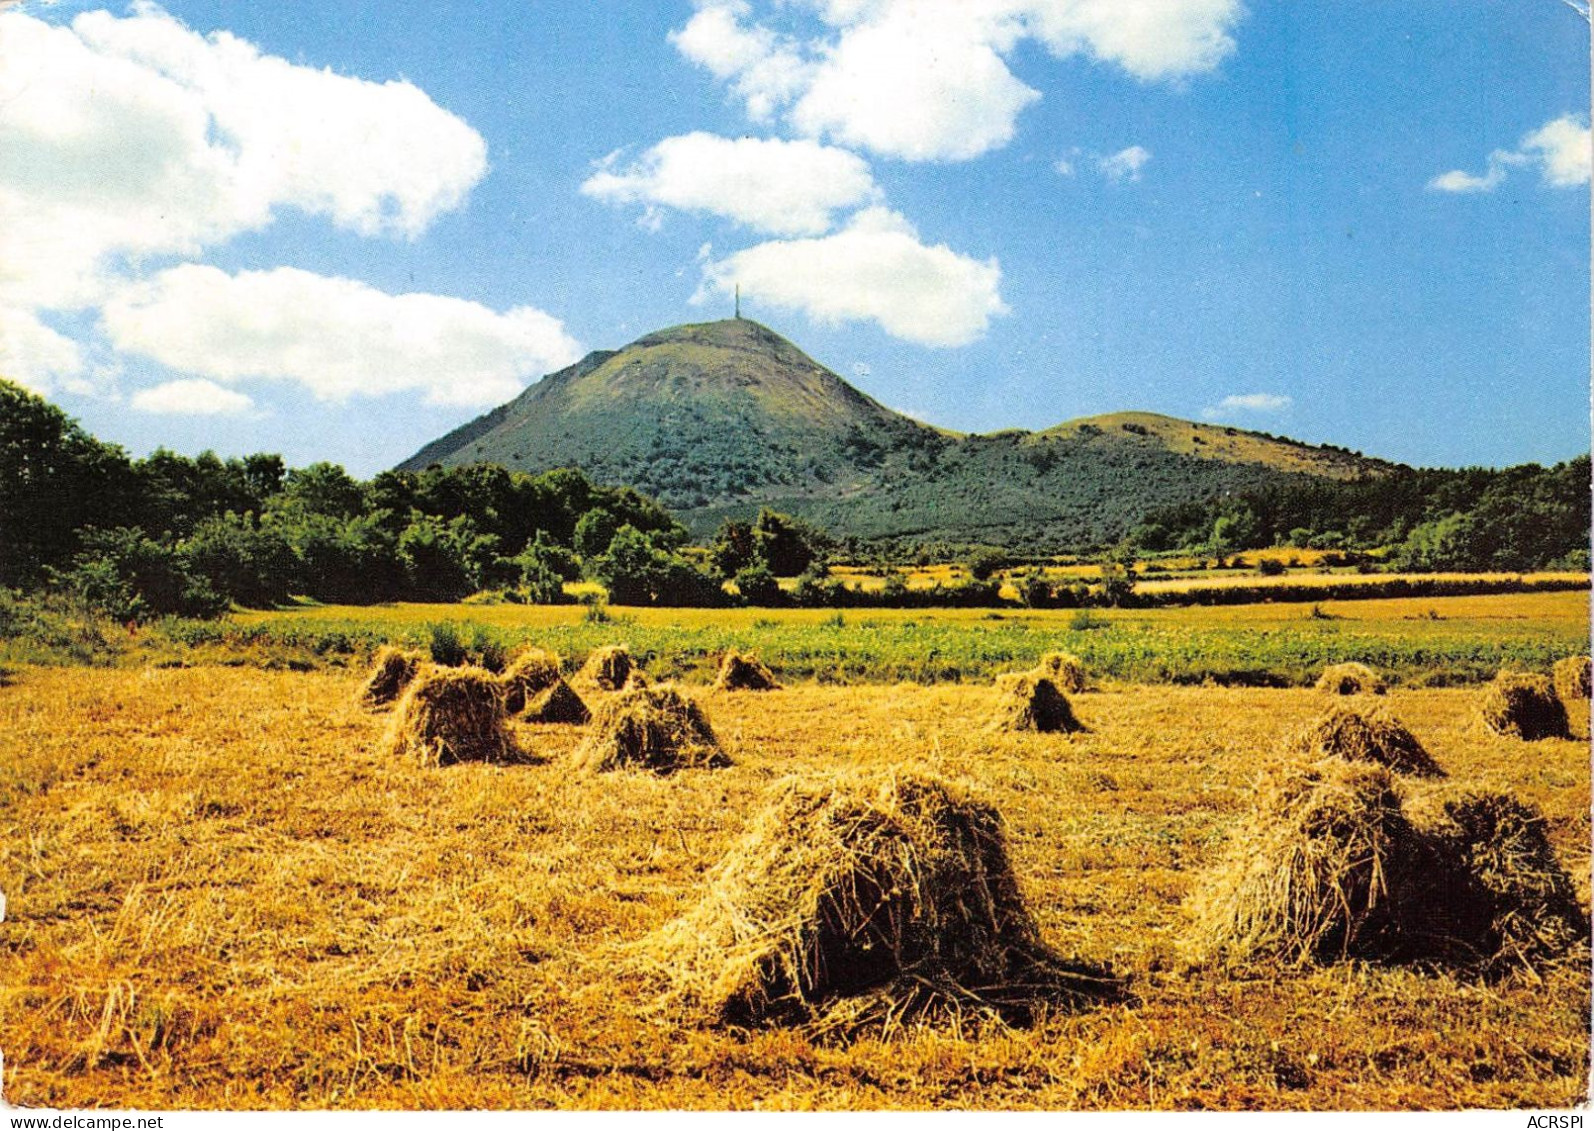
{"type": "Point", "coordinates": [650, 728]}
{"type": "Point", "coordinates": [856, 902]}
{"type": "Point", "coordinates": [1026, 701]}
{"type": "Point", "coordinates": [607, 667]}
{"type": "Point", "coordinates": [1317, 870]}
{"type": "Point", "coordinates": [739, 672]}
{"type": "Point", "coordinates": [1366, 736]}
{"type": "Point", "coordinates": [391, 672]}
{"type": "Point", "coordinates": [557, 703]}
{"type": "Point", "coordinates": [1501, 843]}
{"type": "Point", "coordinates": [1350, 679]}
{"type": "Point", "coordinates": [1523, 706]}
{"type": "Point", "coordinates": [450, 715]}
{"type": "Point", "coordinates": [637, 678]}
{"type": "Point", "coordinates": [528, 675]}
{"type": "Point", "coordinates": [1571, 677]}
{"type": "Point", "coordinates": [1065, 670]}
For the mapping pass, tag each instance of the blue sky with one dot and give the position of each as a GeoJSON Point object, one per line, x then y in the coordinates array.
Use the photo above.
{"type": "Point", "coordinates": [336, 232]}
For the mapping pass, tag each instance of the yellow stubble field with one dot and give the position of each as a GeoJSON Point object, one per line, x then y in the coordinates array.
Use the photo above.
{"type": "Point", "coordinates": [223, 894]}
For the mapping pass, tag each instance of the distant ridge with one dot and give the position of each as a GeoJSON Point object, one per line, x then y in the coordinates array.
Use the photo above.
{"type": "Point", "coordinates": [717, 419]}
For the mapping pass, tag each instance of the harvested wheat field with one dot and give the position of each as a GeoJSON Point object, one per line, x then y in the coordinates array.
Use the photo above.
{"type": "Point", "coordinates": [224, 893]}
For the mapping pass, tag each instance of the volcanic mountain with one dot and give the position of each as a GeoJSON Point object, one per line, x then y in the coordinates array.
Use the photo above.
{"type": "Point", "coordinates": [720, 418]}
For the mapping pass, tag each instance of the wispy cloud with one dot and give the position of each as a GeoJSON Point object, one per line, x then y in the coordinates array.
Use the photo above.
{"type": "Point", "coordinates": [1563, 150]}
{"type": "Point", "coordinates": [130, 143]}
{"type": "Point", "coordinates": [338, 338]}
{"type": "Point", "coordinates": [1266, 404]}
{"type": "Point", "coordinates": [193, 397]}
{"type": "Point", "coordinates": [1125, 165]}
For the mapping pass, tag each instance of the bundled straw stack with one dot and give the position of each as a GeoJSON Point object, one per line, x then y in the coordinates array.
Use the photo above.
{"type": "Point", "coordinates": [863, 903]}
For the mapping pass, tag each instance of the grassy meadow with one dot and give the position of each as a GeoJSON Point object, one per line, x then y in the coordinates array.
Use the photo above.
{"type": "Point", "coordinates": [223, 894]}
{"type": "Point", "coordinates": [1439, 641]}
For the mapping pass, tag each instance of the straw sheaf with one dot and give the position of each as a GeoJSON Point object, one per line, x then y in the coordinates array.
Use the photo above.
{"type": "Point", "coordinates": [451, 715]}
{"type": "Point", "coordinates": [607, 668]}
{"type": "Point", "coordinates": [392, 669]}
{"type": "Point", "coordinates": [743, 672]}
{"type": "Point", "coordinates": [1026, 701]}
{"type": "Point", "coordinates": [1571, 676]}
{"type": "Point", "coordinates": [1351, 679]}
{"type": "Point", "coordinates": [1366, 735]}
{"type": "Point", "coordinates": [1523, 705]}
{"type": "Point", "coordinates": [858, 903]}
{"type": "Point", "coordinates": [650, 728]}
{"type": "Point", "coordinates": [1067, 671]}
{"type": "Point", "coordinates": [528, 675]}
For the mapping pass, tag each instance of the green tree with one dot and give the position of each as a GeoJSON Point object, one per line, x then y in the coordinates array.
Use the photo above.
{"type": "Point", "coordinates": [55, 479]}
{"type": "Point", "coordinates": [593, 532]}
{"type": "Point", "coordinates": [786, 545]}
{"type": "Point", "coordinates": [637, 571]}
{"type": "Point", "coordinates": [323, 488]}
{"type": "Point", "coordinates": [986, 563]}
{"type": "Point", "coordinates": [132, 577]}
{"type": "Point", "coordinates": [250, 564]}
{"type": "Point", "coordinates": [733, 548]}
{"type": "Point", "coordinates": [757, 585]}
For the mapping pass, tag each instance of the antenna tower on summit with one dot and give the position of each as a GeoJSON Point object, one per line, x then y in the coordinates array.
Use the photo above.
{"type": "Point", "coordinates": [738, 300]}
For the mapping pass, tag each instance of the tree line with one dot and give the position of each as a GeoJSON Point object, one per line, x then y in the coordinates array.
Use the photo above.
{"type": "Point", "coordinates": [1430, 519]}
{"type": "Point", "coordinates": [171, 534]}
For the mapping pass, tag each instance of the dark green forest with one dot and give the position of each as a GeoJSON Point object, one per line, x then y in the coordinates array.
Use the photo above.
{"type": "Point", "coordinates": [172, 534]}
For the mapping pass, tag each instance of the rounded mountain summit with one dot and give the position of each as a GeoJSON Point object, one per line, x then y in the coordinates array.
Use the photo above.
{"type": "Point", "coordinates": [718, 419]}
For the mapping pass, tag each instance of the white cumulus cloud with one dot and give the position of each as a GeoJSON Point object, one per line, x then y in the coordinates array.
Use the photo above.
{"type": "Point", "coordinates": [1563, 150]}
{"type": "Point", "coordinates": [785, 188]}
{"type": "Point", "coordinates": [920, 81]}
{"type": "Point", "coordinates": [34, 355]}
{"type": "Point", "coordinates": [135, 137]}
{"type": "Point", "coordinates": [192, 397]}
{"type": "Point", "coordinates": [336, 337]}
{"type": "Point", "coordinates": [929, 80]}
{"type": "Point", "coordinates": [875, 269]}
{"type": "Point", "coordinates": [127, 143]}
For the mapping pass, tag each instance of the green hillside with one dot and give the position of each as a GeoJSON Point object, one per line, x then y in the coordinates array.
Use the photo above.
{"type": "Point", "coordinates": [718, 419]}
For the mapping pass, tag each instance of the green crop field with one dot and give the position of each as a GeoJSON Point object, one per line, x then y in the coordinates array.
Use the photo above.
{"type": "Point", "coordinates": [1416, 641]}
